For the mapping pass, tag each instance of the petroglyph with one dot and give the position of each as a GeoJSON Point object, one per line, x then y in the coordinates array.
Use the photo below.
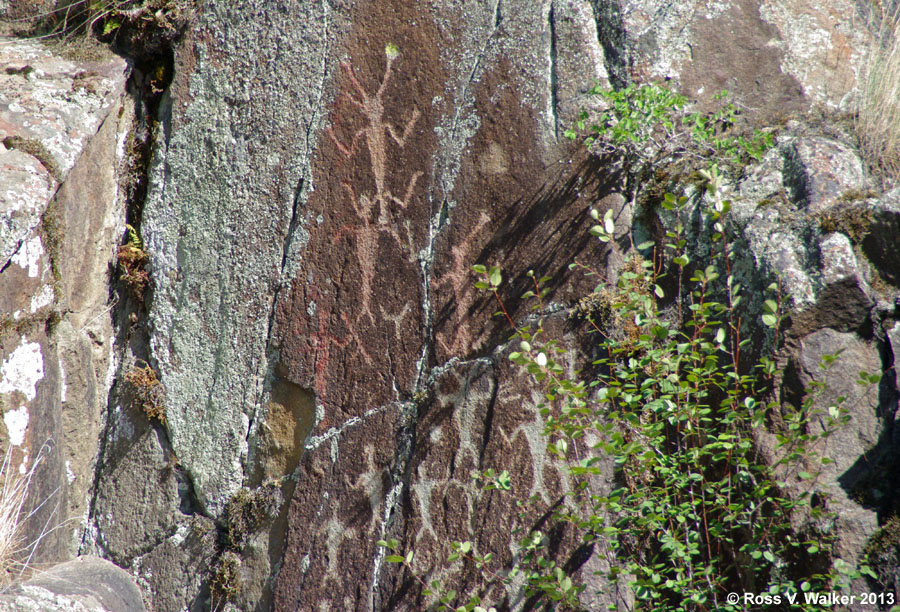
{"type": "Point", "coordinates": [374, 210]}
{"type": "Point", "coordinates": [460, 280]}
{"type": "Point", "coordinates": [323, 341]}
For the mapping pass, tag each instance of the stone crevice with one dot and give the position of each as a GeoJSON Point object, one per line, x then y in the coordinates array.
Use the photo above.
{"type": "Point", "coordinates": [554, 86]}
{"type": "Point", "coordinates": [334, 433]}
{"type": "Point", "coordinates": [406, 444]}
{"type": "Point", "coordinates": [613, 39]}
{"type": "Point", "coordinates": [441, 218]}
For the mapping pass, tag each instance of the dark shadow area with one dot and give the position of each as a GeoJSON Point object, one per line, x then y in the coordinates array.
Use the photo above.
{"type": "Point", "coordinates": [544, 232]}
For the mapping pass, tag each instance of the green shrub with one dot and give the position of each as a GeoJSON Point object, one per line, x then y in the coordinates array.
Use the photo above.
{"type": "Point", "coordinates": [699, 511]}
{"type": "Point", "coordinates": [648, 128]}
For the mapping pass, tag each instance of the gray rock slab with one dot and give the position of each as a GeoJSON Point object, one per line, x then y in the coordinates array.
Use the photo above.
{"type": "Point", "coordinates": [64, 124]}
{"type": "Point", "coordinates": [821, 171]}
{"type": "Point", "coordinates": [49, 108]}
{"type": "Point", "coordinates": [224, 187]}
{"type": "Point", "coordinates": [86, 584]}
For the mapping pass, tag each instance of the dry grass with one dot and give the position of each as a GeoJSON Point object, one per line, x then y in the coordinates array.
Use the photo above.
{"type": "Point", "coordinates": [133, 264]}
{"type": "Point", "coordinates": [154, 22]}
{"type": "Point", "coordinates": [878, 110]}
{"type": "Point", "coordinates": [59, 19]}
{"type": "Point", "coordinates": [15, 552]}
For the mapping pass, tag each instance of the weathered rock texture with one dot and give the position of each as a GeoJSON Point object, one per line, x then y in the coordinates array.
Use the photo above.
{"type": "Point", "coordinates": [62, 125]}
{"type": "Point", "coordinates": [322, 178]}
{"type": "Point", "coordinates": [330, 172]}
{"type": "Point", "coordinates": [86, 584]}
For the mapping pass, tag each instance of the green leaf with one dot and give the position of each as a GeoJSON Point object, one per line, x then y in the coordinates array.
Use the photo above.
{"type": "Point", "coordinates": [479, 269]}
{"type": "Point", "coordinates": [111, 25]}
{"type": "Point", "coordinates": [495, 276]}
{"type": "Point", "coordinates": [608, 224]}
{"type": "Point", "coordinates": [395, 559]}
{"type": "Point", "coordinates": [769, 320]}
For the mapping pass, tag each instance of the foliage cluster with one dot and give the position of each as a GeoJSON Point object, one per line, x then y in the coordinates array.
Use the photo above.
{"type": "Point", "coordinates": [648, 126]}
{"type": "Point", "coordinates": [699, 510]}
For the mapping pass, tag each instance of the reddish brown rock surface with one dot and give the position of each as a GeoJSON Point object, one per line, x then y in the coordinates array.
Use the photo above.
{"type": "Point", "coordinates": [323, 177]}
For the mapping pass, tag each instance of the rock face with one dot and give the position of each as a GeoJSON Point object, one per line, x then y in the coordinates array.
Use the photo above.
{"type": "Point", "coordinates": [62, 124]}
{"type": "Point", "coordinates": [320, 369]}
{"type": "Point", "coordinates": [86, 584]}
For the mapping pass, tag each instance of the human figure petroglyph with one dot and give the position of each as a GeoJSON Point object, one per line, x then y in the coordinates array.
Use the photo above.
{"type": "Point", "coordinates": [459, 279]}
{"type": "Point", "coordinates": [374, 211]}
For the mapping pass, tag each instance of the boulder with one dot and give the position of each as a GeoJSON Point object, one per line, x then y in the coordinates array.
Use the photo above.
{"type": "Point", "coordinates": [85, 584]}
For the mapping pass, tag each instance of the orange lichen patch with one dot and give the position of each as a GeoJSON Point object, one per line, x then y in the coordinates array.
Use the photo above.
{"type": "Point", "coordinates": [147, 392]}
{"type": "Point", "coordinates": [282, 436]}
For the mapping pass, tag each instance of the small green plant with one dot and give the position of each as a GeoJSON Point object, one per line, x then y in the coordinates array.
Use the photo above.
{"type": "Point", "coordinates": [444, 598]}
{"type": "Point", "coordinates": [636, 115]}
{"type": "Point", "coordinates": [648, 127]}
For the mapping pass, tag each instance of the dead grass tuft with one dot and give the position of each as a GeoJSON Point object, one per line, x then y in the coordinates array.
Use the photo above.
{"type": "Point", "coordinates": [878, 113]}
{"type": "Point", "coordinates": [147, 392]}
{"type": "Point", "coordinates": [133, 265]}
{"type": "Point", "coordinates": [15, 552]}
